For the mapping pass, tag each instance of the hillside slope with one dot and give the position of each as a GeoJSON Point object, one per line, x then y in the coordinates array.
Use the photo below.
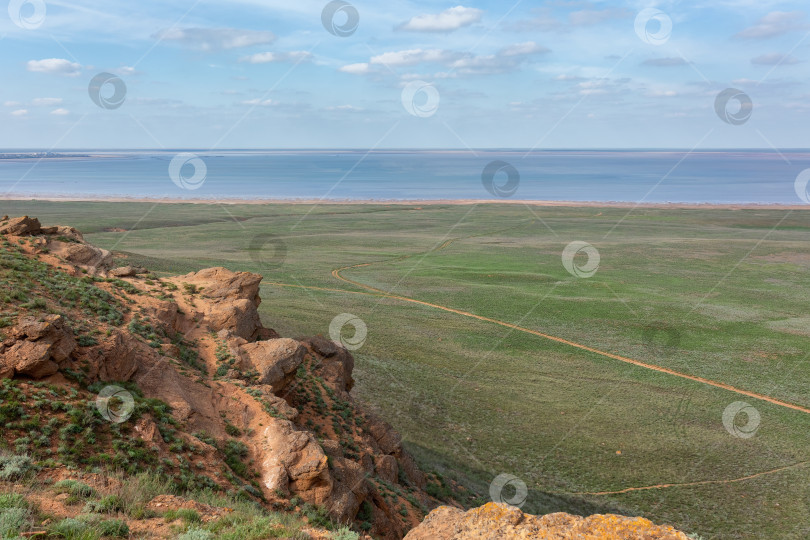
{"type": "Point", "coordinates": [161, 407]}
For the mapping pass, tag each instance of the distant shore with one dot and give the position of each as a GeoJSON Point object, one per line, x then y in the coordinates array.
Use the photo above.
{"type": "Point", "coordinates": [428, 202]}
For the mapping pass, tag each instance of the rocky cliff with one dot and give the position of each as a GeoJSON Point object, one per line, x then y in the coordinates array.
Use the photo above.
{"type": "Point", "coordinates": [207, 398]}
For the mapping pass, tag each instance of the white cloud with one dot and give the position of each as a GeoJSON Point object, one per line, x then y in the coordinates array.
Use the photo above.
{"type": "Point", "coordinates": [46, 101]}
{"type": "Point", "coordinates": [661, 93]}
{"type": "Point", "coordinates": [775, 23]}
{"type": "Point", "coordinates": [268, 57]}
{"type": "Point", "coordinates": [209, 39]}
{"type": "Point", "coordinates": [58, 66]}
{"type": "Point", "coordinates": [125, 70]}
{"type": "Point", "coordinates": [60, 112]}
{"type": "Point", "coordinates": [356, 69]}
{"type": "Point", "coordinates": [446, 21]}
{"type": "Point", "coordinates": [259, 102]}
{"type": "Point", "coordinates": [12, 104]}
{"type": "Point", "coordinates": [19, 112]}
{"type": "Point", "coordinates": [523, 49]}
{"type": "Point", "coordinates": [412, 57]}
{"type": "Point", "coordinates": [567, 77]}
{"type": "Point", "coordinates": [775, 59]}
{"type": "Point", "coordinates": [503, 61]}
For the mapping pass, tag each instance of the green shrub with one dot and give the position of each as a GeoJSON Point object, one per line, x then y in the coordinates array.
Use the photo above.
{"type": "Point", "coordinates": [196, 534]}
{"type": "Point", "coordinates": [107, 505]}
{"type": "Point", "coordinates": [188, 515]}
{"type": "Point", "coordinates": [345, 533]}
{"type": "Point", "coordinates": [75, 488]}
{"type": "Point", "coordinates": [72, 529]}
{"type": "Point", "coordinates": [86, 341]}
{"type": "Point", "coordinates": [113, 527]}
{"type": "Point", "coordinates": [13, 520]}
{"type": "Point", "coordinates": [234, 452]}
{"type": "Point", "coordinates": [232, 430]}
{"type": "Point", "coordinates": [14, 467]}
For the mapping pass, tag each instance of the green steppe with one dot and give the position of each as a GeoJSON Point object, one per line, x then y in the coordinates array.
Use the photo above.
{"type": "Point", "coordinates": [715, 293]}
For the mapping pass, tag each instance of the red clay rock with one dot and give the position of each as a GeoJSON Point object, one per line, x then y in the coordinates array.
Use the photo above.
{"type": "Point", "coordinates": [294, 460]}
{"type": "Point", "coordinates": [275, 360]}
{"type": "Point", "coordinates": [231, 300]}
{"type": "Point", "coordinates": [21, 226]}
{"type": "Point", "coordinates": [40, 346]}
{"type": "Point", "coordinates": [117, 358]}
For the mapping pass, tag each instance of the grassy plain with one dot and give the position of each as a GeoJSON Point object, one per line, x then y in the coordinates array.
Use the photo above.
{"type": "Point", "coordinates": [714, 293]}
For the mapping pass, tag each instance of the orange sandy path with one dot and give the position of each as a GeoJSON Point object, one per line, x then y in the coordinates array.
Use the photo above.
{"type": "Point", "coordinates": [698, 483]}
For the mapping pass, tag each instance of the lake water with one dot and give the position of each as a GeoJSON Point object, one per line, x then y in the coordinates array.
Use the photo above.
{"type": "Point", "coordinates": [763, 177]}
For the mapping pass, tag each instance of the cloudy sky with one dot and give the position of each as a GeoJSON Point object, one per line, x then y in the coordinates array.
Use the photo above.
{"type": "Point", "coordinates": [483, 74]}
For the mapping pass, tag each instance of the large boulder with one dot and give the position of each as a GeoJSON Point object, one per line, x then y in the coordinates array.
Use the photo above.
{"type": "Point", "coordinates": [21, 226]}
{"type": "Point", "coordinates": [117, 358]}
{"type": "Point", "coordinates": [497, 520]}
{"type": "Point", "coordinates": [276, 360]}
{"type": "Point", "coordinates": [231, 300]}
{"type": "Point", "coordinates": [39, 346]}
{"type": "Point", "coordinates": [294, 462]}
{"type": "Point", "coordinates": [83, 255]}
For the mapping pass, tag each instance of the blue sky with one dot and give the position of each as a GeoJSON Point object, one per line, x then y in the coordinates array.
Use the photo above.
{"type": "Point", "coordinates": [268, 74]}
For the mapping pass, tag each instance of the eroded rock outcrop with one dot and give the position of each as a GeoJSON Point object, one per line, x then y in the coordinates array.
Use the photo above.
{"type": "Point", "coordinates": [495, 521]}
{"type": "Point", "coordinates": [230, 300]}
{"type": "Point", "coordinates": [294, 462]}
{"type": "Point", "coordinates": [37, 347]}
{"type": "Point", "coordinates": [275, 360]}
{"type": "Point", "coordinates": [21, 226]}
